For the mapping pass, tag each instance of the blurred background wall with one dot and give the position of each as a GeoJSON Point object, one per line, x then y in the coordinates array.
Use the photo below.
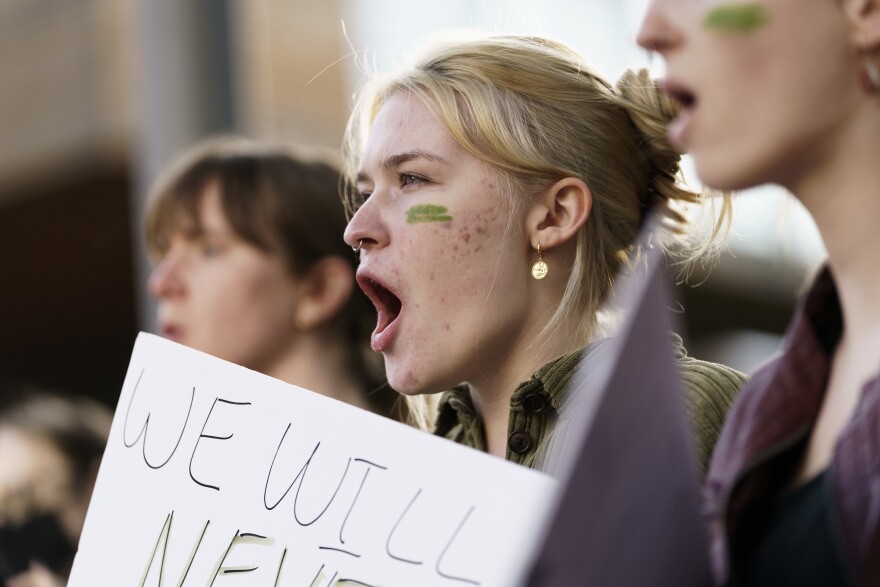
{"type": "Point", "coordinates": [97, 95]}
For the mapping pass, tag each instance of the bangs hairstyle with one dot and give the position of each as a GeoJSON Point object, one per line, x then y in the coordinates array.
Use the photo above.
{"type": "Point", "coordinates": [280, 200]}
{"type": "Point", "coordinates": [536, 112]}
{"type": "Point", "coordinates": [285, 202]}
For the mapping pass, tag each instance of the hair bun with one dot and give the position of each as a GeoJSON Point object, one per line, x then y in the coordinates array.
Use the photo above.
{"type": "Point", "coordinates": [651, 111]}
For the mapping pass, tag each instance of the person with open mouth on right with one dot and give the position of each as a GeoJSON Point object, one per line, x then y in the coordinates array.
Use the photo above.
{"type": "Point", "coordinates": [788, 92]}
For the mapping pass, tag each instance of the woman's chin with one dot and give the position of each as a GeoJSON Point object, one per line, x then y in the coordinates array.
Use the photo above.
{"type": "Point", "coordinates": [723, 172]}
{"type": "Point", "coordinates": [408, 389]}
{"type": "Point", "coordinates": [409, 384]}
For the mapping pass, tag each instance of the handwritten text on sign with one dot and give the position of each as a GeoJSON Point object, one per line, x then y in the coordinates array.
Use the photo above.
{"type": "Point", "coordinates": [216, 475]}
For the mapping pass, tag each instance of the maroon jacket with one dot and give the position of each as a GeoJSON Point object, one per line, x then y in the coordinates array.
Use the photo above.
{"type": "Point", "coordinates": [773, 415]}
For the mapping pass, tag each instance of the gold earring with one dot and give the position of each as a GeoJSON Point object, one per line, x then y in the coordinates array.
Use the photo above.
{"type": "Point", "coordinates": [539, 269]}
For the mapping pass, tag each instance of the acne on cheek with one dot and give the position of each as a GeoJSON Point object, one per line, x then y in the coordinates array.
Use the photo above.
{"type": "Point", "coordinates": [736, 18]}
{"type": "Point", "coordinates": [463, 239]}
{"type": "Point", "coordinates": [474, 231]}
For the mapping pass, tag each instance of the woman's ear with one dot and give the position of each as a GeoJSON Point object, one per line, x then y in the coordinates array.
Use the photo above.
{"type": "Point", "coordinates": [323, 292]}
{"type": "Point", "coordinates": [558, 213]}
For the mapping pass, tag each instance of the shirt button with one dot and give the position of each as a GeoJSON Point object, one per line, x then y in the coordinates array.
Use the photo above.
{"type": "Point", "coordinates": [520, 442]}
{"type": "Point", "coordinates": [534, 403]}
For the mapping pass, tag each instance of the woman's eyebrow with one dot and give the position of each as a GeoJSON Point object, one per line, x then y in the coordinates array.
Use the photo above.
{"type": "Point", "coordinates": [395, 161]}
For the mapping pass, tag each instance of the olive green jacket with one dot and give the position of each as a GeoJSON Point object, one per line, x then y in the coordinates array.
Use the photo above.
{"type": "Point", "coordinates": [538, 416]}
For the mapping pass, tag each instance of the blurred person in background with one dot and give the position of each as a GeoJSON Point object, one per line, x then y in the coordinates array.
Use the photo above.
{"type": "Point", "coordinates": [788, 92]}
{"type": "Point", "coordinates": [50, 451]}
{"type": "Point", "coordinates": [499, 187]}
{"type": "Point", "coordinates": [250, 267]}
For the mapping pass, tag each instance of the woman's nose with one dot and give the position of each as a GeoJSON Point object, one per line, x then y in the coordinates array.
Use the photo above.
{"type": "Point", "coordinates": [366, 230]}
{"type": "Point", "coordinates": [656, 32]}
{"type": "Point", "coordinates": [165, 280]}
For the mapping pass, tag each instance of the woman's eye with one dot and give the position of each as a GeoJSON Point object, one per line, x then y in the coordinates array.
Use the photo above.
{"type": "Point", "coordinates": [361, 197]}
{"type": "Point", "coordinates": [407, 179]}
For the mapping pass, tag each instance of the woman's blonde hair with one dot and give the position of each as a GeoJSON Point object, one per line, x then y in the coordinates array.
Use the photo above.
{"type": "Point", "coordinates": [536, 112]}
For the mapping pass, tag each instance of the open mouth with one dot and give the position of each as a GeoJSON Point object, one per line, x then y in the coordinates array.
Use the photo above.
{"type": "Point", "coordinates": [687, 102]}
{"type": "Point", "coordinates": [685, 98]}
{"type": "Point", "coordinates": [388, 307]}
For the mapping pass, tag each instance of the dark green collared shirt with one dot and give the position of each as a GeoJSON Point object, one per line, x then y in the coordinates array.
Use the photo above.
{"type": "Point", "coordinates": [538, 415]}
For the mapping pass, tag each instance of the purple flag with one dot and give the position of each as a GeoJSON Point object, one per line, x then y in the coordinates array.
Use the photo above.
{"type": "Point", "coordinates": [629, 507]}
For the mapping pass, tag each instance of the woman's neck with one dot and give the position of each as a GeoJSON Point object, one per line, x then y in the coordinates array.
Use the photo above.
{"type": "Point", "coordinates": [491, 395]}
{"type": "Point", "coordinates": [320, 364]}
{"type": "Point", "coordinates": [526, 349]}
{"type": "Point", "coordinates": [842, 192]}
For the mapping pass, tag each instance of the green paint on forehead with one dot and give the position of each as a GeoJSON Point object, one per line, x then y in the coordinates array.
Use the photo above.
{"type": "Point", "coordinates": [427, 213]}
{"type": "Point", "coordinates": [736, 18]}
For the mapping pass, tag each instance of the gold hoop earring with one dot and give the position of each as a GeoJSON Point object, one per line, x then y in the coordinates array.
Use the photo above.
{"type": "Point", "coordinates": [540, 269]}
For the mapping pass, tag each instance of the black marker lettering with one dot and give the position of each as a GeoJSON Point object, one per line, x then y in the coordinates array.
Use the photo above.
{"type": "Point", "coordinates": [219, 565]}
{"type": "Point", "coordinates": [239, 538]}
{"type": "Point", "coordinates": [301, 476]}
{"type": "Point", "coordinates": [192, 556]}
{"type": "Point", "coordinates": [233, 570]}
{"type": "Point", "coordinates": [163, 540]}
{"type": "Point", "coordinates": [272, 466]}
{"type": "Point", "coordinates": [372, 464]}
{"type": "Point", "coordinates": [203, 435]}
{"type": "Point", "coordinates": [143, 432]}
{"type": "Point", "coordinates": [358, 494]}
{"type": "Point", "coordinates": [394, 529]}
{"type": "Point", "coordinates": [280, 566]}
{"type": "Point", "coordinates": [446, 548]}
{"type": "Point", "coordinates": [164, 536]}
{"type": "Point", "coordinates": [318, 577]}
{"type": "Point", "coordinates": [343, 551]}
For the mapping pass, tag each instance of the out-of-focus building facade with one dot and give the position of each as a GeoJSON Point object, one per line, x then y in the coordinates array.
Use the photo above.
{"type": "Point", "coordinates": [95, 97]}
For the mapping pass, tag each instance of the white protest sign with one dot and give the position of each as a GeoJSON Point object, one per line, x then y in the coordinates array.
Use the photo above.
{"type": "Point", "coordinates": [217, 475]}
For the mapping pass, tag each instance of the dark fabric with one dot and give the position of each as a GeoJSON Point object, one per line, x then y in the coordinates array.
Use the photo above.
{"type": "Point", "coordinates": [790, 541]}
{"type": "Point", "coordinates": [538, 416]}
{"type": "Point", "coordinates": [775, 413]}
{"type": "Point", "coordinates": [39, 539]}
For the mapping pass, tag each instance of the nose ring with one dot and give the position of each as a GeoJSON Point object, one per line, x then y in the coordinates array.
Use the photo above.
{"type": "Point", "coordinates": [357, 249]}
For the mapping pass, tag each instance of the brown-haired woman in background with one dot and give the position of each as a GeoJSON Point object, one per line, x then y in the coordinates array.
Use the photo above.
{"type": "Point", "coordinates": [251, 267]}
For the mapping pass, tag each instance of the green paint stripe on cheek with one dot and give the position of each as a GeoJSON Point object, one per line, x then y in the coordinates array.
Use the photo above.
{"type": "Point", "coordinates": [427, 213]}
{"type": "Point", "coordinates": [745, 18]}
